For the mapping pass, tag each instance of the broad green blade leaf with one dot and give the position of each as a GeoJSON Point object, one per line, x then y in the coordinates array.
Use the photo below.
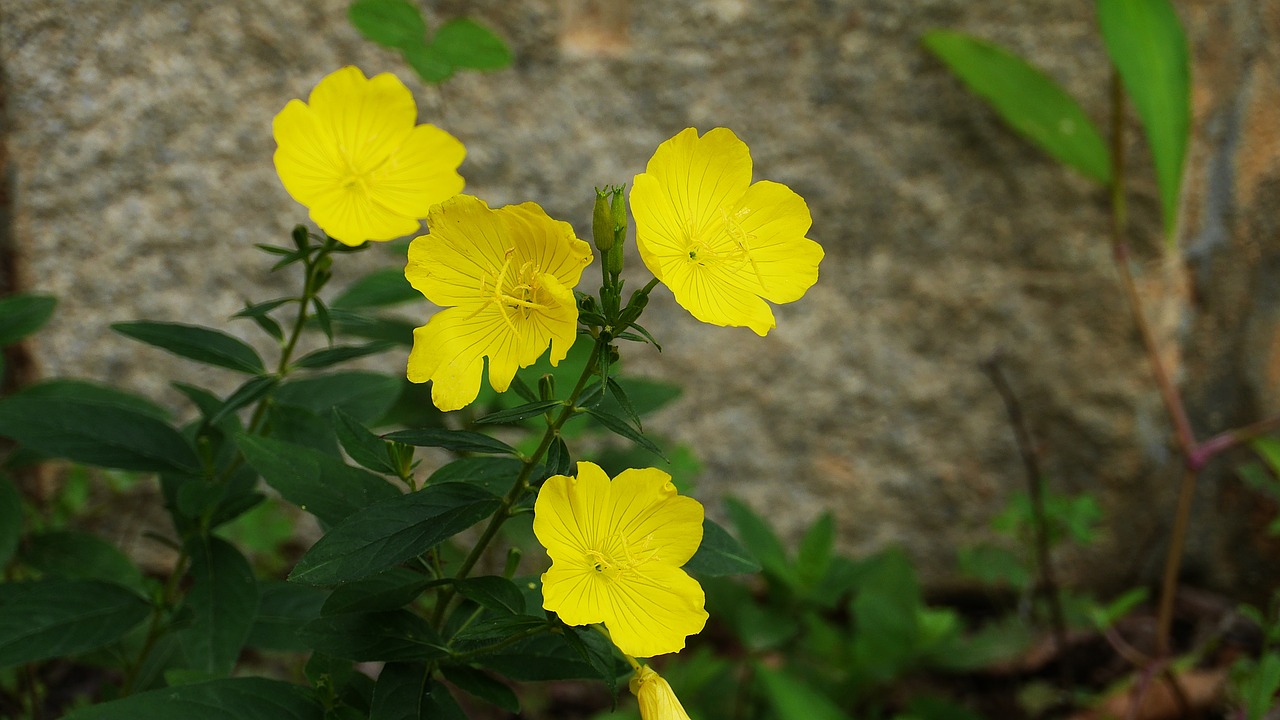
{"type": "Point", "coordinates": [252, 391]}
{"type": "Point", "coordinates": [326, 357]}
{"type": "Point", "coordinates": [390, 590]}
{"type": "Point", "coordinates": [391, 23]}
{"type": "Point", "coordinates": [10, 520]}
{"type": "Point", "coordinates": [23, 314]}
{"type": "Point", "coordinates": [389, 532]}
{"type": "Point", "coordinates": [197, 343]}
{"type": "Point", "coordinates": [430, 64]}
{"type": "Point", "coordinates": [318, 483]}
{"type": "Point", "coordinates": [761, 541]}
{"type": "Point", "coordinates": [522, 412]}
{"type": "Point", "coordinates": [483, 686]}
{"type": "Point", "coordinates": [1145, 41]}
{"type": "Point", "coordinates": [792, 699]}
{"type": "Point", "coordinates": [223, 601]}
{"type": "Point", "coordinates": [494, 593]}
{"type": "Point", "coordinates": [401, 693]}
{"type": "Point", "coordinates": [1027, 99]}
{"type": "Point", "coordinates": [56, 618]}
{"type": "Point", "coordinates": [1268, 448]}
{"type": "Point", "coordinates": [366, 396]}
{"type": "Point", "coordinates": [1259, 687]}
{"type": "Point", "coordinates": [380, 288]}
{"type": "Point", "coordinates": [241, 698]}
{"type": "Point", "coordinates": [67, 389]}
{"type": "Point", "coordinates": [356, 324]}
{"type": "Point", "coordinates": [542, 657]}
{"type": "Point", "coordinates": [620, 426]}
{"type": "Point", "coordinates": [395, 636]}
{"type": "Point", "coordinates": [886, 611]}
{"type": "Point", "coordinates": [465, 43]}
{"type": "Point", "coordinates": [78, 555]}
{"type": "Point", "coordinates": [364, 447]}
{"type": "Point", "coordinates": [283, 608]}
{"type": "Point", "coordinates": [93, 433]}
{"type": "Point", "coordinates": [494, 474]}
{"type": "Point", "coordinates": [720, 554]}
{"type": "Point", "coordinates": [455, 440]}
{"type": "Point", "coordinates": [814, 556]}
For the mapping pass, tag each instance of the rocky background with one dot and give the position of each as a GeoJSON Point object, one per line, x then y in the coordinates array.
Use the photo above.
{"type": "Point", "coordinates": [139, 176]}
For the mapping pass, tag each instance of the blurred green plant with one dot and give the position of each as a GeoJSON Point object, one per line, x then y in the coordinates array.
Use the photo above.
{"type": "Point", "coordinates": [458, 44]}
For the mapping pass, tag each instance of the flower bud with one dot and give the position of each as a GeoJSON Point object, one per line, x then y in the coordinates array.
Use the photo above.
{"type": "Point", "coordinates": [602, 220]}
{"type": "Point", "coordinates": [300, 236]}
{"type": "Point", "coordinates": [619, 213]}
{"type": "Point", "coordinates": [613, 259]}
{"type": "Point", "coordinates": [547, 387]}
{"type": "Point", "coordinates": [657, 700]}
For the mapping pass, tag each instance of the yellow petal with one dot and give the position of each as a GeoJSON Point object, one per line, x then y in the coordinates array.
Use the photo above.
{"type": "Point", "coordinates": [577, 594]}
{"type": "Point", "coordinates": [306, 156]}
{"type": "Point", "coordinates": [548, 242]}
{"type": "Point", "coordinates": [652, 519]}
{"type": "Point", "coordinates": [367, 117]}
{"type": "Point", "coordinates": [774, 220]}
{"type": "Point", "coordinates": [350, 216]}
{"type": "Point", "coordinates": [656, 699]}
{"type": "Point", "coordinates": [449, 351]}
{"type": "Point", "coordinates": [720, 296]}
{"type": "Point", "coordinates": [570, 514]}
{"type": "Point", "coordinates": [654, 608]}
{"type": "Point", "coordinates": [465, 249]}
{"type": "Point", "coordinates": [700, 175]}
{"type": "Point", "coordinates": [419, 173]}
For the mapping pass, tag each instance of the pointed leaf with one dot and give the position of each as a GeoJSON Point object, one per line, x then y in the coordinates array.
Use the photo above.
{"type": "Point", "coordinates": [814, 555]}
{"type": "Point", "coordinates": [1027, 99]}
{"type": "Point", "coordinates": [455, 440]}
{"type": "Point", "coordinates": [322, 485]}
{"type": "Point", "coordinates": [493, 474]}
{"type": "Point", "coordinates": [241, 698]}
{"type": "Point", "coordinates": [619, 426]}
{"type": "Point", "coordinates": [10, 520]}
{"type": "Point", "coordinates": [390, 590]}
{"type": "Point", "coordinates": [323, 319]}
{"type": "Point", "coordinates": [56, 618]}
{"type": "Point", "coordinates": [283, 608]}
{"type": "Point", "coordinates": [465, 43]}
{"type": "Point", "coordinates": [521, 412]}
{"type": "Point", "coordinates": [380, 288]}
{"type": "Point", "coordinates": [23, 314]}
{"type": "Point", "coordinates": [364, 447]}
{"type": "Point", "coordinates": [366, 396]}
{"type": "Point", "coordinates": [494, 593]}
{"type": "Point", "coordinates": [401, 693]}
{"type": "Point", "coordinates": [1145, 41]}
{"type": "Point", "coordinates": [720, 554]}
{"type": "Point", "coordinates": [390, 23]}
{"type": "Point", "coordinates": [76, 555]}
{"type": "Point", "coordinates": [792, 699]}
{"type": "Point", "coordinates": [396, 636]}
{"type": "Point", "coordinates": [252, 391]}
{"type": "Point", "coordinates": [484, 686]}
{"type": "Point", "coordinates": [389, 532]}
{"type": "Point", "coordinates": [760, 540]}
{"type": "Point", "coordinates": [197, 343]}
{"type": "Point", "coordinates": [325, 357]}
{"type": "Point", "coordinates": [223, 601]}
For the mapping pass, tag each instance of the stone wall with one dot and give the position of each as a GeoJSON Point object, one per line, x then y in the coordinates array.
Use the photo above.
{"type": "Point", "coordinates": [140, 156]}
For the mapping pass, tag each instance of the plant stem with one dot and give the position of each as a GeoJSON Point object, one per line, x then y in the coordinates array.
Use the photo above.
{"type": "Point", "coordinates": [1169, 583]}
{"type": "Point", "coordinates": [1035, 490]}
{"type": "Point", "coordinates": [154, 630]}
{"type": "Point", "coordinates": [1232, 438]}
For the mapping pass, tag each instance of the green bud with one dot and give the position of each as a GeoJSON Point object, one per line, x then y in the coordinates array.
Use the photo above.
{"type": "Point", "coordinates": [613, 259]}
{"type": "Point", "coordinates": [619, 213]}
{"type": "Point", "coordinates": [602, 220]}
{"type": "Point", "coordinates": [513, 562]}
{"type": "Point", "coordinates": [547, 387]}
{"type": "Point", "coordinates": [300, 236]}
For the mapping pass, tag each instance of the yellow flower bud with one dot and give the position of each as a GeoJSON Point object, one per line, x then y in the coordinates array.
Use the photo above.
{"type": "Point", "coordinates": [657, 701]}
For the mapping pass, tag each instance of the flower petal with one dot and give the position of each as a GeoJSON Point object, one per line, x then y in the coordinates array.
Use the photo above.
{"type": "Point", "coordinates": [720, 296]}
{"type": "Point", "coordinates": [774, 219]}
{"type": "Point", "coordinates": [464, 251]}
{"type": "Point", "coordinates": [701, 175]}
{"type": "Point", "coordinates": [654, 608]}
{"type": "Point", "coordinates": [369, 118]}
{"type": "Point", "coordinates": [571, 514]}
{"type": "Point", "coordinates": [449, 351]}
{"type": "Point", "coordinates": [652, 519]}
{"type": "Point", "coordinates": [577, 594]}
{"type": "Point", "coordinates": [350, 216]}
{"type": "Point", "coordinates": [306, 156]}
{"type": "Point", "coordinates": [419, 173]}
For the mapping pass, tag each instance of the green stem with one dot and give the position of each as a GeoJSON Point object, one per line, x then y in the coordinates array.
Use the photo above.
{"type": "Point", "coordinates": [518, 487]}
{"type": "Point", "coordinates": [156, 627]}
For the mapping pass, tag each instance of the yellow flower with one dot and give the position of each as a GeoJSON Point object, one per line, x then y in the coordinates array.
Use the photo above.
{"type": "Point", "coordinates": [722, 244]}
{"type": "Point", "coordinates": [616, 549]}
{"type": "Point", "coordinates": [354, 157]}
{"type": "Point", "coordinates": [505, 278]}
{"type": "Point", "coordinates": [657, 701]}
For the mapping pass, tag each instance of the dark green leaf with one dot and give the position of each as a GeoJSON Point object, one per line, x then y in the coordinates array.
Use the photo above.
{"type": "Point", "coordinates": [66, 389]}
{"type": "Point", "coordinates": [619, 426]}
{"type": "Point", "coordinates": [250, 392]}
{"type": "Point", "coordinates": [542, 657]}
{"type": "Point", "coordinates": [523, 390]}
{"type": "Point", "coordinates": [481, 685]}
{"type": "Point", "coordinates": [624, 402]}
{"type": "Point", "coordinates": [23, 314]}
{"type": "Point", "coordinates": [1027, 99]}
{"type": "Point", "coordinates": [430, 64]}
{"type": "Point", "coordinates": [792, 699]}
{"type": "Point", "coordinates": [760, 541]}
{"type": "Point", "coordinates": [56, 618]}
{"type": "Point", "coordinates": [455, 440]}
{"type": "Point", "coordinates": [521, 412]}
{"type": "Point", "coordinates": [401, 693]}
{"type": "Point", "coordinates": [326, 357]}
{"type": "Point", "coordinates": [600, 655]}
{"type": "Point", "coordinates": [495, 475]}
{"type": "Point", "coordinates": [241, 698]}
{"type": "Point", "coordinates": [353, 689]}
{"type": "Point", "coordinates": [720, 554]}
{"type": "Point", "coordinates": [195, 343]}
{"type": "Point", "coordinates": [322, 485]}
{"type": "Point", "coordinates": [390, 23]}
{"type": "Point", "coordinates": [262, 308]}
{"type": "Point", "coordinates": [323, 318]}
{"type": "Point", "coordinates": [885, 611]}
{"type": "Point", "coordinates": [390, 590]}
{"type": "Point", "coordinates": [395, 636]}
{"type": "Point", "coordinates": [1145, 41]}
{"type": "Point", "coordinates": [78, 555]}
{"type": "Point", "coordinates": [10, 520]}
{"type": "Point", "coordinates": [357, 324]}
{"type": "Point", "coordinates": [223, 601]}
{"type": "Point", "coordinates": [380, 288]}
{"type": "Point", "coordinates": [494, 593]}
{"type": "Point", "coordinates": [301, 426]}
{"type": "Point", "coordinates": [93, 433]}
{"type": "Point", "coordinates": [1259, 687]}
{"type": "Point", "coordinates": [465, 43]}
{"type": "Point", "coordinates": [559, 461]}
{"type": "Point", "coordinates": [389, 532]}
{"type": "Point", "coordinates": [441, 705]}
{"type": "Point", "coordinates": [366, 396]}
{"type": "Point", "coordinates": [814, 556]}
{"type": "Point", "coordinates": [283, 608]}
{"type": "Point", "coordinates": [363, 446]}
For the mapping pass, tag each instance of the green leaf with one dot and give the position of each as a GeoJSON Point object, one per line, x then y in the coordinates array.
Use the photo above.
{"type": "Point", "coordinates": [760, 541]}
{"type": "Point", "coordinates": [356, 324]}
{"type": "Point", "coordinates": [495, 475]}
{"type": "Point", "coordinates": [599, 655]}
{"type": "Point", "coordinates": [326, 357]}
{"type": "Point", "coordinates": [1259, 688]}
{"type": "Point", "coordinates": [430, 64]}
{"type": "Point", "coordinates": [197, 343]}
{"type": "Point", "coordinates": [559, 461]}
{"type": "Point", "coordinates": [390, 23]}
{"type": "Point", "coordinates": [494, 593]}
{"type": "Point", "coordinates": [10, 520]}
{"type": "Point", "coordinates": [1027, 99]}
{"type": "Point", "coordinates": [66, 389]}
{"type": "Point", "coordinates": [223, 601]}
{"type": "Point", "coordinates": [300, 426]}
{"type": "Point", "coordinates": [364, 447]}
{"type": "Point", "coordinates": [250, 392]}
{"type": "Point", "coordinates": [76, 555]}
{"type": "Point", "coordinates": [391, 531]}
{"type": "Point", "coordinates": [720, 554]}
{"type": "Point", "coordinates": [390, 590]}
{"type": "Point", "coordinates": [441, 705]}
{"type": "Point", "coordinates": [94, 433]}
{"type": "Point", "coordinates": [521, 412]}
{"type": "Point", "coordinates": [465, 43]}
{"type": "Point", "coordinates": [792, 699]}
{"type": "Point", "coordinates": [322, 318]}
{"type": "Point", "coordinates": [395, 636]}
{"type": "Point", "coordinates": [620, 427]}
{"type": "Point", "coordinates": [1145, 41]}
{"type": "Point", "coordinates": [365, 396]}
{"type": "Point", "coordinates": [23, 314]}
{"type": "Point", "coordinates": [380, 288]}
{"type": "Point", "coordinates": [455, 440]}
{"type": "Point", "coordinates": [283, 608]}
{"type": "Point", "coordinates": [56, 618]}
{"type": "Point", "coordinates": [1268, 448]}
{"type": "Point", "coordinates": [886, 612]}
{"type": "Point", "coordinates": [401, 692]}
{"type": "Point", "coordinates": [814, 556]}
{"type": "Point", "coordinates": [481, 685]}
{"type": "Point", "coordinates": [322, 485]}
{"type": "Point", "coordinates": [241, 698]}
{"type": "Point", "coordinates": [542, 657]}
{"type": "Point", "coordinates": [624, 402]}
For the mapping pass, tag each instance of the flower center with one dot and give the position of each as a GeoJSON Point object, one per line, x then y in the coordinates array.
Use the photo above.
{"type": "Point", "coordinates": [728, 245]}
{"type": "Point", "coordinates": [516, 290]}
{"type": "Point", "coordinates": [620, 559]}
